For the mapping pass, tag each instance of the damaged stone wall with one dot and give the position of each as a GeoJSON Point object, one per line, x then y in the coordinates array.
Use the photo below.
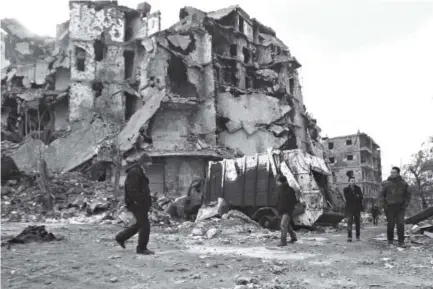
{"type": "Point", "coordinates": [251, 63]}
{"type": "Point", "coordinates": [212, 85]}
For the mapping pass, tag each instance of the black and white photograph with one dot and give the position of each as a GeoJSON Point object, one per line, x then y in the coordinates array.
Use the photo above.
{"type": "Point", "coordinates": [285, 144]}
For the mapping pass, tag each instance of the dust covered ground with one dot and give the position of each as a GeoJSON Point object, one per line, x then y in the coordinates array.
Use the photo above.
{"type": "Point", "coordinates": [89, 258]}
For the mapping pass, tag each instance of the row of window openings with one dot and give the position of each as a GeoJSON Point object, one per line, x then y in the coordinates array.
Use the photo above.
{"type": "Point", "coordinates": [350, 173]}
{"type": "Point", "coordinates": [331, 144]}
{"type": "Point", "coordinates": [349, 158]}
{"type": "Point", "coordinates": [100, 53]}
{"type": "Point", "coordinates": [230, 77]}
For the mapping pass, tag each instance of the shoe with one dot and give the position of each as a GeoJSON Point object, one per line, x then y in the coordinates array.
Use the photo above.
{"type": "Point", "coordinates": [390, 242]}
{"type": "Point", "coordinates": [349, 240]}
{"type": "Point", "coordinates": [358, 239]}
{"type": "Point", "coordinates": [282, 244]}
{"type": "Point", "coordinates": [145, 252]}
{"type": "Point", "coordinates": [401, 245]}
{"type": "Point", "coordinates": [293, 241]}
{"type": "Point", "coordinates": [121, 243]}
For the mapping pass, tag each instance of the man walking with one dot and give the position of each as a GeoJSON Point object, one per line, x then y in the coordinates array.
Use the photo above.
{"type": "Point", "coordinates": [375, 214]}
{"type": "Point", "coordinates": [138, 201]}
{"type": "Point", "coordinates": [395, 197]}
{"type": "Point", "coordinates": [354, 206]}
{"type": "Point", "coordinates": [285, 206]}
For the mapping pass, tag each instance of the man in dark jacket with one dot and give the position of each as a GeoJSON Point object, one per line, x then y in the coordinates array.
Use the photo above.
{"type": "Point", "coordinates": [354, 206]}
{"type": "Point", "coordinates": [285, 206]}
{"type": "Point", "coordinates": [138, 201]}
{"type": "Point", "coordinates": [395, 197]}
{"type": "Point", "coordinates": [375, 212]}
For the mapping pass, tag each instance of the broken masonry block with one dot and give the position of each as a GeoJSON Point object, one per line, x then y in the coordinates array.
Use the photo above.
{"type": "Point", "coordinates": [144, 8]}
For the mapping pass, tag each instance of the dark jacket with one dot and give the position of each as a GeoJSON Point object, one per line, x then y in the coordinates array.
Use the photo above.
{"type": "Point", "coordinates": [375, 211]}
{"type": "Point", "coordinates": [286, 199]}
{"type": "Point", "coordinates": [353, 198]}
{"type": "Point", "coordinates": [395, 191]}
{"type": "Point", "coordinates": [137, 190]}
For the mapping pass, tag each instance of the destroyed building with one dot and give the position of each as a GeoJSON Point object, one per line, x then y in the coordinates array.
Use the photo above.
{"type": "Point", "coordinates": [212, 86]}
{"type": "Point", "coordinates": [358, 156]}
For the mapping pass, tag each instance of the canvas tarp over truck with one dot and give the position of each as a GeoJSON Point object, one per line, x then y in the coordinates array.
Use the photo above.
{"type": "Point", "coordinates": [248, 183]}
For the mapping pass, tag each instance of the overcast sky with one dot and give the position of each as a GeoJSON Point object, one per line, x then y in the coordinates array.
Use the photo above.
{"type": "Point", "coordinates": [367, 64]}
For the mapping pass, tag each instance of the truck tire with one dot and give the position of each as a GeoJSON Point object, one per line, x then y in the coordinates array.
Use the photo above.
{"type": "Point", "coordinates": [268, 222]}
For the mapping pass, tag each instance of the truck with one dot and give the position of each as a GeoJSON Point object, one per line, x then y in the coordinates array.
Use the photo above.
{"type": "Point", "coordinates": [248, 184]}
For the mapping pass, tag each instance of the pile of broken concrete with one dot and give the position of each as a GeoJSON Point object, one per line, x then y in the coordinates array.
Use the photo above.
{"type": "Point", "coordinates": [217, 221]}
{"type": "Point", "coordinates": [73, 194]}
{"type": "Point", "coordinates": [76, 199]}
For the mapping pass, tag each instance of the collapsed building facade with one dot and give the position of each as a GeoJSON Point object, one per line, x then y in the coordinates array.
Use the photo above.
{"type": "Point", "coordinates": [358, 156]}
{"type": "Point", "coordinates": [212, 86]}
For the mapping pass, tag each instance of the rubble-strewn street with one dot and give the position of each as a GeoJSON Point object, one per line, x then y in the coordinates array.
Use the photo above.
{"type": "Point", "coordinates": [199, 131]}
{"type": "Point", "coordinates": [89, 258]}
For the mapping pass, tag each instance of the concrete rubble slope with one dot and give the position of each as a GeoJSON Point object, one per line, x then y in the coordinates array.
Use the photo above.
{"type": "Point", "coordinates": [63, 154]}
{"type": "Point", "coordinates": [129, 135]}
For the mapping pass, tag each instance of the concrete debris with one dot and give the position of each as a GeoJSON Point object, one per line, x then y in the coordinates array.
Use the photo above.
{"type": "Point", "coordinates": [421, 216]}
{"type": "Point", "coordinates": [207, 88]}
{"type": "Point", "coordinates": [267, 74]}
{"type": "Point", "coordinates": [63, 154]}
{"type": "Point", "coordinates": [251, 110]}
{"type": "Point", "coordinates": [212, 210]}
{"type": "Point", "coordinates": [129, 135]}
{"type": "Point", "coordinates": [181, 41]}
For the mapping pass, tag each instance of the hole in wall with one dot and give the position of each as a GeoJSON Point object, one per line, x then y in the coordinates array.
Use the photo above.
{"type": "Point", "coordinates": [178, 77]}
{"type": "Point", "coordinates": [129, 63]}
{"type": "Point", "coordinates": [97, 88]}
{"type": "Point", "coordinates": [131, 105]}
{"type": "Point", "coordinates": [247, 55]}
{"type": "Point", "coordinates": [80, 56]}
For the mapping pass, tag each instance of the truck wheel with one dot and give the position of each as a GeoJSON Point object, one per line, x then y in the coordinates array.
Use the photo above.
{"type": "Point", "coordinates": [267, 222]}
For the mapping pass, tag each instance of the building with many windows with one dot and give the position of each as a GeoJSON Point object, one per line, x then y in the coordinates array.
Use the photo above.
{"type": "Point", "coordinates": [356, 155]}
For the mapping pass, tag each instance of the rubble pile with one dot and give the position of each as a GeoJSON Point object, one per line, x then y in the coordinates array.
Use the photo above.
{"type": "Point", "coordinates": [253, 283]}
{"type": "Point", "coordinates": [73, 194]}
{"type": "Point", "coordinates": [422, 230]}
{"type": "Point", "coordinates": [33, 234]}
{"type": "Point", "coordinates": [231, 223]}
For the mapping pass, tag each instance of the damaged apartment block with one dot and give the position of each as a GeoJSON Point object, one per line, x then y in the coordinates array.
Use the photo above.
{"type": "Point", "coordinates": [212, 86]}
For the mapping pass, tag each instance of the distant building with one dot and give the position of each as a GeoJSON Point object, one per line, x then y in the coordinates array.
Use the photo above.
{"type": "Point", "coordinates": [355, 155]}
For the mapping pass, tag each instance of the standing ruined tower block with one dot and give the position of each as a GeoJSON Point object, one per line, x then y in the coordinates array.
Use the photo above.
{"type": "Point", "coordinates": [355, 155]}
{"type": "Point", "coordinates": [214, 85]}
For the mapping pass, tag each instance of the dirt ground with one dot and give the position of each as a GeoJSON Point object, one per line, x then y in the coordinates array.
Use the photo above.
{"type": "Point", "coordinates": [89, 258]}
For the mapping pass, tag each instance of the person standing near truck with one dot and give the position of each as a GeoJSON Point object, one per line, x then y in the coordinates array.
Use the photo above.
{"type": "Point", "coordinates": [285, 206]}
{"type": "Point", "coordinates": [354, 207]}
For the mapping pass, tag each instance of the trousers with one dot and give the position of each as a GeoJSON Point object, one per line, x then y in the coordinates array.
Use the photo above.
{"type": "Point", "coordinates": [395, 216]}
{"type": "Point", "coordinates": [141, 226]}
{"type": "Point", "coordinates": [353, 216]}
{"type": "Point", "coordinates": [286, 227]}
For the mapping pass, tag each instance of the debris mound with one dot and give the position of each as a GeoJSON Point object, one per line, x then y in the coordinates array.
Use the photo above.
{"type": "Point", "coordinates": [33, 234]}
{"type": "Point", "coordinates": [232, 223]}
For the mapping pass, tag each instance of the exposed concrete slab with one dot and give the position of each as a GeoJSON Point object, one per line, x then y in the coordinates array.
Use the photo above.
{"type": "Point", "coordinates": [128, 136]}
{"type": "Point", "coordinates": [181, 41]}
{"type": "Point", "coordinates": [258, 142]}
{"type": "Point", "coordinates": [251, 110]}
{"type": "Point", "coordinates": [63, 154]}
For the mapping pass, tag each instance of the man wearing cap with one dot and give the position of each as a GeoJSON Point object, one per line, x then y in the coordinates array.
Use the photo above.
{"type": "Point", "coordinates": [138, 201]}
